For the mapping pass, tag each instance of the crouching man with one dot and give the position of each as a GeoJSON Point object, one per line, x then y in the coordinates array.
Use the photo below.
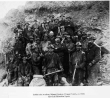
{"type": "Point", "coordinates": [24, 73]}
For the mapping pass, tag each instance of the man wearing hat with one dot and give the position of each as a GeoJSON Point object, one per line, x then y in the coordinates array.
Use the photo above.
{"type": "Point", "coordinates": [52, 22]}
{"type": "Point", "coordinates": [47, 28]}
{"type": "Point", "coordinates": [84, 41]}
{"type": "Point", "coordinates": [57, 43]}
{"type": "Point", "coordinates": [77, 67]}
{"type": "Point", "coordinates": [62, 32]}
{"type": "Point", "coordinates": [92, 57]}
{"type": "Point", "coordinates": [19, 25]}
{"type": "Point", "coordinates": [51, 64]}
{"type": "Point", "coordinates": [35, 25]}
{"type": "Point", "coordinates": [69, 21]}
{"type": "Point", "coordinates": [51, 37]}
{"type": "Point", "coordinates": [62, 51]}
{"type": "Point", "coordinates": [25, 30]}
{"type": "Point", "coordinates": [29, 46]}
{"type": "Point", "coordinates": [45, 20]}
{"type": "Point", "coordinates": [69, 44]}
{"type": "Point", "coordinates": [18, 29]}
{"type": "Point", "coordinates": [62, 20]}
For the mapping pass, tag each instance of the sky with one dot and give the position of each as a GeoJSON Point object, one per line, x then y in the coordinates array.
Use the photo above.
{"type": "Point", "coordinates": [5, 6]}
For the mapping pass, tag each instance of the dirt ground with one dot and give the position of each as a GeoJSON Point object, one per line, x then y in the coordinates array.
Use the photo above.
{"type": "Point", "coordinates": [96, 79]}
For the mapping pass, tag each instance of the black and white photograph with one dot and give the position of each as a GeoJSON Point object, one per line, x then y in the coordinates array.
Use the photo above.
{"type": "Point", "coordinates": [54, 43]}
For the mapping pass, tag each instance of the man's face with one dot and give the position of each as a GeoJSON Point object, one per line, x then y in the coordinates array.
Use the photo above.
{"type": "Point", "coordinates": [45, 38]}
{"type": "Point", "coordinates": [24, 61]}
{"type": "Point", "coordinates": [90, 44]}
{"type": "Point", "coordinates": [62, 29]}
{"type": "Point", "coordinates": [18, 25]}
{"type": "Point", "coordinates": [52, 18]}
{"type": "Point", "coordinates": [35, 56]}
{"type": "Point", "coordinates": [38, 41]}
{"type": "Point", "coordinates": [51, 36]}
{"type": "Point", "coordinates": [68, 19]}
{"type": "Point", "coordinates": [20, 32]}
{"type": "Point", "coordinates": [50, 49]}
{"type": "Point", "coordinates": [42, 25]}
{"type": "Point", "coordinates": [57, 42]}
{"type": "Point", "coordinates": [47, 26]}
{"type": "Point", "coordinates": [26, 26]}
{"type": "Point", "coordinates": [31, 40]}
{"type": "Point", "coordinates": [36, 30]}
{"type": "Point", "coordinates": [78, 47]}
{"type": "Point", "coordinates": [35, 22]}
{"type": "Point", "coordinates": [62, 17]}
{"type": "Point", "coordinates": [45, 20]}
{"type": "Point", "coordinates": [29, 28]}
{"type": "Point", "coordinates": [68, 39]}
{"type": "Point", "coordinates": [56, 21]}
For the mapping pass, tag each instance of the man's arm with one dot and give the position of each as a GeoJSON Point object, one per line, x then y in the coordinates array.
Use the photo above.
{"type": "Point", "coordinates": [97, 55]}
{"type": "Point", "coordinates": [83, 60]}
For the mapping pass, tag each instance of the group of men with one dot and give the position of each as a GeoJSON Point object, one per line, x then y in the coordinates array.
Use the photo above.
{"type": "Point", "coordinates": [55, 48]}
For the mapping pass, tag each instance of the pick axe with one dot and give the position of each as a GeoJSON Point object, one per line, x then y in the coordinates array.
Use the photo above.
{"type": "Point", "coordinates": [74, 73]}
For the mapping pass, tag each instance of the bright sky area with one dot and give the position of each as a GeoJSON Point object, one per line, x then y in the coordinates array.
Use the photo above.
{"type": "Point", "coordinates": [5, 6]}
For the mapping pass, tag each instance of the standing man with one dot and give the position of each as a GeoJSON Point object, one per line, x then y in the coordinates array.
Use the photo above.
{"type": "Point", "coordinates": [93, 56]}
{"type": "Point", "coordinates": [51, 65]}
{"type": "Point", "coordinates": [77, 68]}
{"type": "Point", "coordinates": [62, 51]}
{"type": "Point", "coordinates": [51, 37]}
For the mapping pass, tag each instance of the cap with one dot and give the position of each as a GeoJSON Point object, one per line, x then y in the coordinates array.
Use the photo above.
{"type": "Point", "coordinates": [78, 44]}
{"type": "Point", "coordinates": [68, 17]}
{"type": "Point", "coordinates": [57, 39]}
{"type": "Point", "coordinates": [51, 33]}
{"type": "Point", "coordinates": [62, 26]}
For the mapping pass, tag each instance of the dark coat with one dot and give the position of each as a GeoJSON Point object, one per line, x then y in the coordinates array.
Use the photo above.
{"type": "Point", "coordinates": [93, 54]}
{"type": "Point", "coordinates": [24, 69]}
{"type": "Point", "coordinates": [64, 58]}
{"type": "Point", "coordinates": [52, 61]}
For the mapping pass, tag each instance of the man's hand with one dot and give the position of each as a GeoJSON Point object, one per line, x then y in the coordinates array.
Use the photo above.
{"type": "Point", "coordinates": [76, 66]}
